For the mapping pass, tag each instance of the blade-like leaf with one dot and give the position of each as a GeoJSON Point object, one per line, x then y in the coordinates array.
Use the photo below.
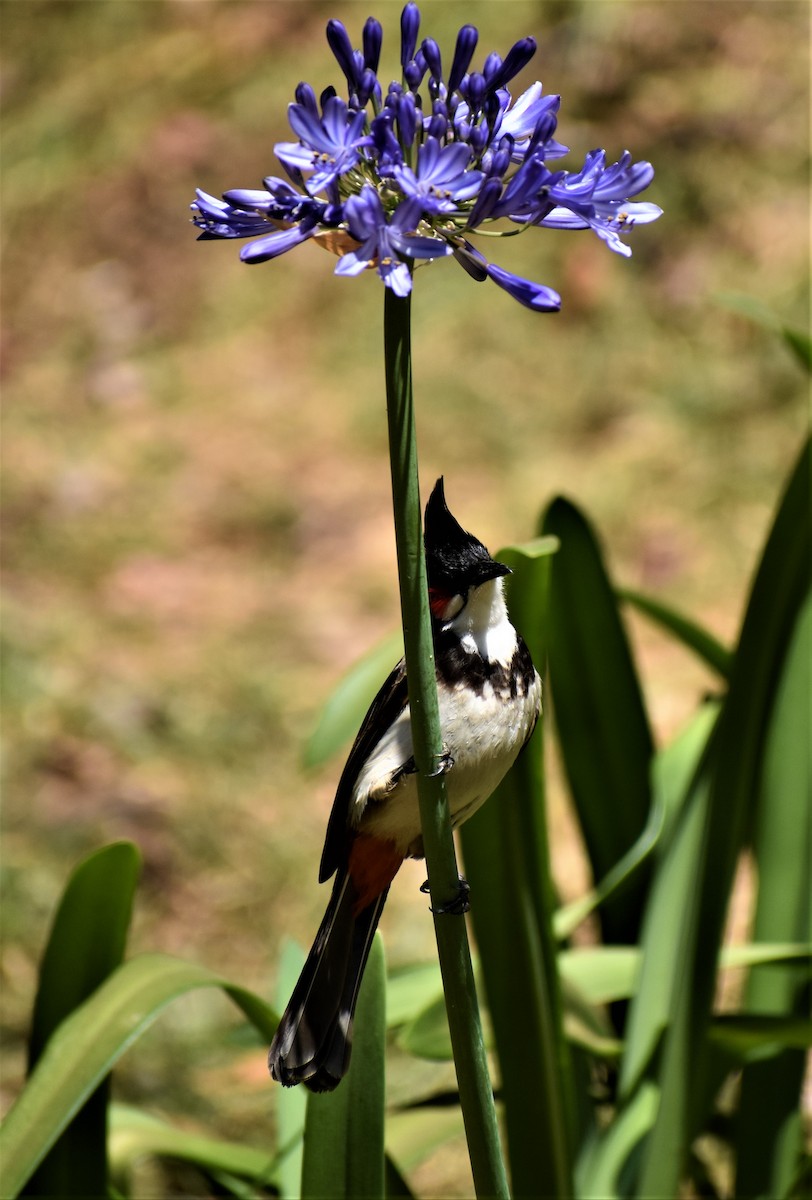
{"type": "Point", "coordinates": [507, 864]}
{"type": "Point", "coordinates": [741, 1033]}
{"type": "Point", "coordinates": [410, 989]}
{"type": "Point", "coordinates": [86, 944]}
{"type": "Point", "coordinates": [800, 344]}
{"type": "Point", "coordinates": [798, 340]}
{"type": "Point", "coordinates": [769, 1128]}
{"type": "Point", "coordinates": [703, 643]}
{"type": "Point", "coordinates": [344, 1129]}
{"type": "Point", "coordinates": [732, 778]}
{"type": "Point", "coordinates": [604, 974]}
{"type": "Point", "coordinates": [291, 1103]}
{"type": "Point", "coordinates": [593, 976]}
{"type": "Point", "coordinates": [342, 714]}
{"type": "Point", "coordinates": [134, 1135]}
{"type": "Point", "coordinates": [427, 1035]}
{"type": "Point", "coordinates": [600, 718]}
{"type": "Point", "coordinates": [412, 1135]}
{"type": "Point", "coordinates": [395, 1182]}
{"type": "Point", "coordinates": [90, 1041]}
{"type": "Point", "coordinates": [672, 770]}
{"type": "Point", "coordinates": [602, 1170]}
{"type": "Point", "coordinates": [589, 1029]}
{"type": "Point", "coordinates": [676, 768]}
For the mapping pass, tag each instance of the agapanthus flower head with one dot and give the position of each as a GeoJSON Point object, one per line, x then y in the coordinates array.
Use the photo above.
{"type": "Point", "coordinates": [392, 178]}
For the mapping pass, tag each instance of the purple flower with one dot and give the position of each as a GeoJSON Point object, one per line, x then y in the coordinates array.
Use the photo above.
{"type": "Point", "coordinates": [524, 118]}
{"type": "Point", "coordinates": [219, 219]}
{"type": "Point", "coordinates": [389, 175]}
{"type": "Point", "coordinates": [385, 242]}
{"type": "Point", "coordinates": [440, 180]}
{"type": "Point", "coordinates": [597, 198]}
{"type": "Point", "coordinates": [328, 147]}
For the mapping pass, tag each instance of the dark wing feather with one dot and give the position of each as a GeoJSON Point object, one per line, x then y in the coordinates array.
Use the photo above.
{"type": "Point", "coordinates": [385, 708]}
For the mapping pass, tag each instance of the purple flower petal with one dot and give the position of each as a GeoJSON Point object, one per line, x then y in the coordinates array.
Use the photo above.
{"type": "Point", "coordinates": [409, 27]}
{"type": "Point", "coordinates": [372, 42]}
{"type": "Point", "coordinates": [341, 46]}
{"type": "Point", "coordinates": [467, 39]}
{"type": "Point", "coordinates": [516, 59]}
{"type": "Point", "coordinates": [275, 244]}
{"type": "Point", "coordinates": [531, 295]}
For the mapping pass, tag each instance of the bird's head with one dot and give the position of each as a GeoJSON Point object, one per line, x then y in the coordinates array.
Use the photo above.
{"type": "Point", "coordinates": [456, 561]}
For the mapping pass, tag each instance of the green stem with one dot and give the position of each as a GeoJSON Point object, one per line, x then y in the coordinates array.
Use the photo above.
{"type": "Point", "coordinates": [476, 1093]}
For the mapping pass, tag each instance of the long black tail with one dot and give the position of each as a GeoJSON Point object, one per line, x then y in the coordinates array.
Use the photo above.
{"type": "Point", "coordinates": [313, 1042]}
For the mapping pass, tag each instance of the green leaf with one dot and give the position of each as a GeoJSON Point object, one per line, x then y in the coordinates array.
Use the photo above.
{"type": "Point", "coordinates": [730, 784]}
{"type": "Point", "coordinates": [592, 976]}
{"type": "Point", "coordinates": [587, 1026]}
{"type": "Point", "coordinates": [507, 864]}
{"type": "Point", "coordinates": [767, 954]}
{"type": "Point", "coordinates": [344, 1129]}
{"type": "Point", "coordinates": [135, 1134]}
{"type": "Point", "coordinates": [409, 989]}
{"type": "Point", "coordinates": [86, 944]}
{"type": "Point", "coordinates": [800, 344]}
{"type": "Point", "coordinates": [414, 1134]}
{"type": "Point", "coordinates": [798, 341]}
{"type": "Point", "coordinates": [680, 802]}
{"type": "Point", "coordinates": [672, 769]}
{"type": "Point", "coordinates": [604, 974]}
{"type": "Point", "coordinates": [769, 1129]}
{"type": "Point", "coordinates": [600, 718]}
{"type": "Point", "coordinates": [90, 1041]}
{"type": "Point", "coordinates": [704, 644]}
{"type": "Point", "coordinates": [603, 1167]}
{"type": "Point", "coordinates": [741, 1033]}
{"type": "Point", "coordinates": [395, 1182]}
{"type": "Point", "coordinates": [346, 708]}
{"type": "Point", "coordinates": [291, 1103]}
{"type": "Point", "coordinates": [427, 1035]}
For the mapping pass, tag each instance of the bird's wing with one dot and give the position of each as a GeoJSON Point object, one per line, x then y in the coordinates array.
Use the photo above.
{"type": "Point", "coordinates": [384, 710]}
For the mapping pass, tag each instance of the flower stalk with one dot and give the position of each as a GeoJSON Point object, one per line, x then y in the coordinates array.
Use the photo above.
{"type": "Point", "coordinates": [476, 1093]}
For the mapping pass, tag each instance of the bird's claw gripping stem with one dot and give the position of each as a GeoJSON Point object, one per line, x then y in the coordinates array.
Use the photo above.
{"type": "Point", "coordinates": [456, 907]}
{"type": "Point", "coordinates": [444, 764]}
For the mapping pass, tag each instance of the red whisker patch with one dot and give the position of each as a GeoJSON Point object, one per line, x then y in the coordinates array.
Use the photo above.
{"type": "Point", "coordinates": [438, 602]}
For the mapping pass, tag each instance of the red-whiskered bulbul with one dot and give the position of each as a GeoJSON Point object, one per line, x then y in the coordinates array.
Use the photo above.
{"type": "Point", "coordinates": [489, 698]}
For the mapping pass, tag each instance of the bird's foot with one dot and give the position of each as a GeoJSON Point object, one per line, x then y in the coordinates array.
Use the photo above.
{"type": "Point", "coordinates": [444, 764]}
{"type": "Point", "coordinates": [456, 907]}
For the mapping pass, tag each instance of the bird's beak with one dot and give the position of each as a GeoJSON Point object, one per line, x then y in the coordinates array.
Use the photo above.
{"type": "Point", "coordinates": [491, 570]}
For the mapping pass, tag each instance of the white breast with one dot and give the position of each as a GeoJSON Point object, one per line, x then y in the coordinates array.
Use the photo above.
{"type": "Point", "coordinates": [483, 731]}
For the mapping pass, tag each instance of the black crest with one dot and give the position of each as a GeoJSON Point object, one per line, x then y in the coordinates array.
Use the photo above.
{"type": "Point", "coordinates": [455, 559]}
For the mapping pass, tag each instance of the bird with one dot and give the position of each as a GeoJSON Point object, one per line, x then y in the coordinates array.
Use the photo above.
{"type": "Point", "coordinates": [489, 696]}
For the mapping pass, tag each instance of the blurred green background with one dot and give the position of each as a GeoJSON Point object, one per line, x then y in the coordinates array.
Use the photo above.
{"type": "Point", "coordinates": [196, 490]}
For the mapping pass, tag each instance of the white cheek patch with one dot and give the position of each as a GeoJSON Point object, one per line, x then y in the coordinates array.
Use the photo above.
{"type": "Point", "coordinates": [483, 625]}
{"type": "Point", "coordinates": [454, 606]}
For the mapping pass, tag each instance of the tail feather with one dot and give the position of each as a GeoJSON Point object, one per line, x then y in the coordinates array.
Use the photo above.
{"type": "Point", "coordinates": [314, 1039]}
